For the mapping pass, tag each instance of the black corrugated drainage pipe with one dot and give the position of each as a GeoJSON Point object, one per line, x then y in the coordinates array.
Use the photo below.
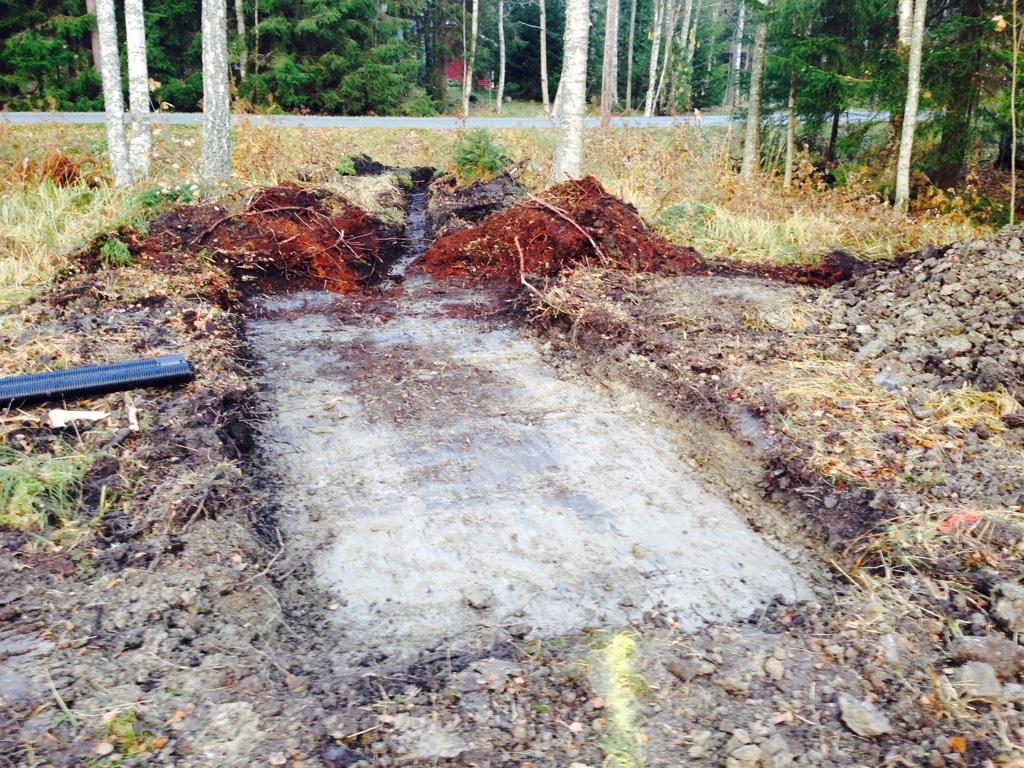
{"type": "Point", "coordinates": [94, 380]}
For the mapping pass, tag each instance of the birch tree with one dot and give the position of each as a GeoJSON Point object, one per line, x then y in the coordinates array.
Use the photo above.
{"type": "Point", "coordinates": [470, 61]}
{"type": "Point", "coordinates": [672, 11]}
{"type": "Point", "coordinates": [544, 95]}
{"type": "Point", "coordinates": [501, 53]}
{"type": "Point", "coordinates": [611, 34]}
{"type": "Point", "coordinates": [684, 31]}
{"type": "Point", "coordinates": [905, 23]}
{"type": "Point", "coordinates": [752, 140]}
{"type": "Point", "coordinates": [910, 109]}
{"type": "Point", "coordinates": [629, 57]}
{"type": "Point", "coordinates": [216, 160]}
{"type": "Point", "coordinates": [113, 101]}
{"type": "Point", "coordinates": [652, 79]}
{"type": "Point", "coordinates": [243, 51]}
{"type": "Point", "coordinates": [140, 146]}
{"type": "Point", "coordinates": [568, 159]}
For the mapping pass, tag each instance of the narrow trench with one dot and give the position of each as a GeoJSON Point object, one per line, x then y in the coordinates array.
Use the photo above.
{"type": "Point", "coordinates": [446, 480]}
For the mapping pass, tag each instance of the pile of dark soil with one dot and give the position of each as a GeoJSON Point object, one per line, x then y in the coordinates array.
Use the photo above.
{"type": "Point", "coordinates": [284, 230]}
{"type": "Point", "coordinates": [453, 208]}
{"type": "Point", "coordinates": [579, 224]}
{"type": "Point", "coordinates": [951, 316]}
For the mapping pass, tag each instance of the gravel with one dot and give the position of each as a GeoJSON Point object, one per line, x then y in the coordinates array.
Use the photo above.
{"type": "Point", "coordinates": [945, 316]}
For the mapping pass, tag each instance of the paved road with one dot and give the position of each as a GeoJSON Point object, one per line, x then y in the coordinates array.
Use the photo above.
{"type": "Point", "coordinates": [305, 121]}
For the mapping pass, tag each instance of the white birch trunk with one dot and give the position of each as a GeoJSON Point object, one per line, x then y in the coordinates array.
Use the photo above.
{"type": "Point", "coordinates": [787, 180]}
{"type": "Point", "coordinates": [684, 36]}
{"type": "Point", "coordinates": [501, 53]}
{"type": "Point", "coordinates": [671, 11]}
{"type": "Point", "coordinates": [652, 80]}
{"type": "Point", "coordinates": [243, 51]}
{"type": "Point", "coordinates": [140, 145]}
{"type": "Point", "coordinates": [216, 162]}
{"type": "Point", "coordinates": [467, 80]}
{"type": "Point", "coordinates": [113, 100]}
{"type": "Point", "coordinates": [568, 159]}
{"type": "Point", "coordinates": [611, 33]}
{"type": "Point", "coordinates": [910, 110]}
{"type": "Point", "coordinates": [905, 23]}
{"type": "Point", "coordinates": [752, 140]}
{"type": "Point", "coordinates": [629, 57]}
{"type": "Point", "coordinates": [545, 97]}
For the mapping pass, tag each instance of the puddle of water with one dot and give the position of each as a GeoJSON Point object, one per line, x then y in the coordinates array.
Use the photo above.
{"type": "Point", "coordinates": [466, 484]}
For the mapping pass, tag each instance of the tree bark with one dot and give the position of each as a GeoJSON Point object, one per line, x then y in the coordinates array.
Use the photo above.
{"type": "Point", "coordinates": [113, 100]}
{"type": "Point", "coordinates": [243, 52]}
{"type": "Point", "coordinates": [568, 159]}
{"type": "Point", "coordinates": [833, 139]}
{"type": "Point", "coordinates": [140, 146]}
{"type": "Point", "coordinates": [735, 64]}
{"type": "Point", "coordinates": [544, 95]}
{"type": "Point", "coordinates": [467, 80]}
{"type": "Point", "coordinates": [787, 179]}
{"type": "Point", "coordinates": [691, 48]}
{"type": "Point", "coordinates": [216, 162]}
{"type": "Point", "coordinates": [652, 76]}
{"type": "Point", "coordinates": [672, 12]}
{"type": "Point", "coordinates": [684, 32]}
{"type": "Point", "coordinates": [910, 109]}
{"type": "Point", "coordinates": [966, 93]}
{"type": "Point", "coordinates": [611, 33]}
{"type": "Point", "coordinates": [904, 24]}
{"type": "Point", "coordinates": [501, 53]}
{"type": "Point", "coordinates": [629, 57]}
{"type": "Point", "coordinates": [94, 35]}
{"type": "Point", "coordinates": [752, 141]}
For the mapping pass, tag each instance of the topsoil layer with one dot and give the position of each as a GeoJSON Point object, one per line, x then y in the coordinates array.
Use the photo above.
{"type": "Point", "coordinates": [286, 232]}
{"type": "Point", "coordinates": [579, 224]}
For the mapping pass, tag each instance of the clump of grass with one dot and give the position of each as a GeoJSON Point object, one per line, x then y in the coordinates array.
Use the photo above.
{"type": "Point", "coordinates": [968, 406]}
{"type": "Point", "coordinates": [36, 489]}
{"type": "Point", "coordinates": [619, 682]}
{"type": "Point", "coordinates": [346, 166]}
{"type": "Point", "coordinates": [115, 254]}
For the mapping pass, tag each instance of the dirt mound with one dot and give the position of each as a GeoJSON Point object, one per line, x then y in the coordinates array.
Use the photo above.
{"type": "Point", "coordinates": [453, 208]}
{"type": "Point", "coordinates": [281, 231]}
{"type": "Point", "coordinates": [579, 223]}
{"type": "Point", "coordinates": [950, 316]}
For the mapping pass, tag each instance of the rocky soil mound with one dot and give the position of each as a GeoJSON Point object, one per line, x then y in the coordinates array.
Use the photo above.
{"type": "Point", "coordinates": [951, 316]}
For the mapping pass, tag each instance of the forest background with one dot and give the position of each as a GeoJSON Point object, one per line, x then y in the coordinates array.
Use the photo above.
{"type": "Point", "coordinates": [355, 57]}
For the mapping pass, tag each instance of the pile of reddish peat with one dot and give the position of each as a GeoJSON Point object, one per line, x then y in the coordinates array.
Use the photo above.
{"type": "Point", "coordinates": [579, 224]}
{"type": "Point", "coordinates": [283, 231]}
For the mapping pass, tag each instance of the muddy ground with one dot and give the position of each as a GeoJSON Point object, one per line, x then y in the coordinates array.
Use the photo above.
{"type": "Point", "coordinates": [278, 568]}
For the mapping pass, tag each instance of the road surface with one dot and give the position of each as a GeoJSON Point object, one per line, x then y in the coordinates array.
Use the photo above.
{"type": "Point", "coordinates": [437, 123]}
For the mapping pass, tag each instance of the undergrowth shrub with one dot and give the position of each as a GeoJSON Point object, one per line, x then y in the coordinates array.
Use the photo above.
{"type": "Point", "coordinates": [476, 156]}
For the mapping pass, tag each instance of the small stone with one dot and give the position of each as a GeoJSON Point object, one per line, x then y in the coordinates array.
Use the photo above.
{"type": "Point", "coordinates": [977, 680]}
{"type": "Point", "coordinates": [339, 756]}
{"type": "Point", "coordinates": [732, 682]}
{"type": "Point", "coordinates": [1009, 607]}
{"type": "Point", "coordinates": [478, 598]}
{"type": "Point", "coordinates": [774, 668]}
{"type": "Point", "coordinates": [1004, 656]}
{"type": "Point", "coordinates": [862, 718]}
{"type": "Point", "coordinates": [742, 757]}
{"type": "Point", "coordinates": [684, 669]}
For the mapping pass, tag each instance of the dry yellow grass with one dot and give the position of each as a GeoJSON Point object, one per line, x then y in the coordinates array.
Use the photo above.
{"type": "Point", "coordinates": [680, 179]}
